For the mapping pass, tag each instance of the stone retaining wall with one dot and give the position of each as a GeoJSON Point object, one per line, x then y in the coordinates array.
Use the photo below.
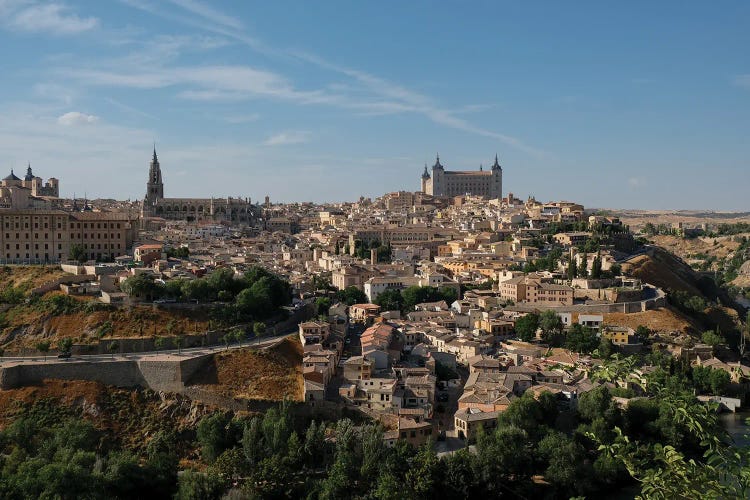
{"type": "Point", "coordinates": [55, 284]}
{"type": "Point", "coordinates": [159, 375]}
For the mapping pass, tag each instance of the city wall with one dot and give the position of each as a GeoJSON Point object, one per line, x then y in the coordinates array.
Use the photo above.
{"type": "Point", "coordinates": [68, 280]}
{"type": "Point", "coordinates": [157, 374]}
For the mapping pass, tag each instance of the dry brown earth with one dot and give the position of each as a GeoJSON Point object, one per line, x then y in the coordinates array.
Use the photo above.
{"type": "Point", "coordinates": [272, 374]}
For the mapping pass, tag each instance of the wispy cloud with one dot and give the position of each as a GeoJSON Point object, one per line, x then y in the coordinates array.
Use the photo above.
{"type": "Point", "coordinates": [54, 92]}
{"type": "Point", "coordinates": [288, 137]}
{"type": "Point", "coordinates": [207, 12]}
{"type": "Point", "coordinates": [54, 18]}
{"type": "Point", "coordinates": [384, 97]}
{"type": "Point", "coordinates": [73, 118]}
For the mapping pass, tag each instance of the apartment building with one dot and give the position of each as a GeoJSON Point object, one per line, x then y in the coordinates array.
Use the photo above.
{"type": "Point", "coordinates": [47, 236]}
{"type": "Point", "coordinates": [525, 289]}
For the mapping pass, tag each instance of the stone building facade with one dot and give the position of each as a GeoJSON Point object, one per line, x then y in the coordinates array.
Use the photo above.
{"type": "Point", "coordinates": [47, 236]}
{"type": "Point", "coordinates": [29, 192]}
{"type": "Point", "coordinates": [486, 183]}
{"type": "Point", "coordinates": [155, 205]}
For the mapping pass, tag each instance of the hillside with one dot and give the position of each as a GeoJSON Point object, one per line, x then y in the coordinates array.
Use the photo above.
{"type": "Point", "coordinates": [663, 269]}
{"type": "Point", "coordinates": [272, 374]}
{"type": "Point", "coordinates": [28, 277]}
{"type": "Point", "coordinates": [667, 271]}
{"type": "Point", "coordinates": [85, 320]}
{"type": "Point", "coordinates": [663, 320]}
{"type": "Point", "coordinates": [129, 418]}
{"type": "Point", "coordinates": [695, 248]}
{"type": "Point", "coordinates": [638, 218]}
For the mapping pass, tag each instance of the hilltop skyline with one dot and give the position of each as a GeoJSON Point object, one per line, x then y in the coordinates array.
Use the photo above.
{"type": "Point", "coordinates": [645, 106]}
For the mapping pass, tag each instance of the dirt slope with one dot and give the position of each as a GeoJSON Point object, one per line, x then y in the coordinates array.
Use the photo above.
{"type": "Point", "coordinates": [28, 277]}
{"type": "Point", "coordinates": [662, 320]}
{"type": "Point", "coordinates": [272, 374]}
{"type": "Point", "coordinates": [131, 417]}
{"type": "Point", "coordinates": [664, 270]}
{"type": "Point", "coordinates": [24, 325]}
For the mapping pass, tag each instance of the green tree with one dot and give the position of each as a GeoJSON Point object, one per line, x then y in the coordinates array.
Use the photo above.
{"type": "Point", "coordinates": [321, 282]}
{"type": "Point", "coordinates": [711, 338]}
{"type": "Point", "coordinates": [197, 289]}
{"type": "Point", "coordinates": [565, 461]}
{"type": "Point", "coordinates": [322, 305]}
{"type": "Point", "coordinates": [77, 253]}
{"type": "Point", "coordinates": [572, 269]}
{"type": "Point", "coordinates": [213, 435]}
{"type": "Point", "coordinates": [253, 446]}
{"type": "Point", "coordinates": [177, 342]}
{"type": "Point", "coordinates": [173, 288]}
{"type": "Point", "coordinates": [642, 333]}
{"type": "Point", "coordinates": [194, 485]}
{"type": "Point", "coordinates": [719, 380]}
{"type": "Point", "coordinates": [112, 347]}
{"type": "Point", "coordinates": [160, 343]}
{"type": "Point", "coordinates": [665, 471]}
{"type": "Point", "coordinates": [351, 295]}
{"type": "Point", "coordinates": [390, 300]}
{"type": "Point", "coordinates": [583, 271]}
{"type": "Point", "coordinates": [181, 252]}
{"type": "Point", "coordinates": [259, 330]}
{"type": "Point", "coordinates": [65, 345]}
{"type": "Point", "coordinates": [223, 280]}
{"type": "Point", "coordinates": [43, 347]}
{"type": "Point", "coordinates": [606, 348]}
{"type": "Point", "coordinates": [420, 478]}
{"type": "Point", "coordinates": [526, 326]}
{"type": "Point", "coordinates": [596, 268]}
{"type": "Point", "coordinates": [142, 286]}
{"type": "Point", "coordinates": [580, 339]}
{"type": "Point", "coordinates": [551, 325]}
{"type": "Point", "coordinates": [504, 458]}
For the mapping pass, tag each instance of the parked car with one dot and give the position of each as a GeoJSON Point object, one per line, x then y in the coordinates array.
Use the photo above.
{"type": "Point", "coordinates": [63, 355]}
{"type": "Point", "coordinates": [443, 397]}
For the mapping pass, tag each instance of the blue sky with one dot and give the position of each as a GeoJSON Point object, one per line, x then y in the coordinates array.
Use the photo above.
{"type": "Point", "coordinates": [627, 105]}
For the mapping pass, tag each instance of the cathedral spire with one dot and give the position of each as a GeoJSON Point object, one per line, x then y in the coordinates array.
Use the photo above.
{"type": "Point", "coordinates": [437, 162]}
{"type": "Point", "coordinates": [496, 165]}
{"type": "Point", "coordinates": [425, 174]}
{"type": "Point", "coordinates": [154, 185]}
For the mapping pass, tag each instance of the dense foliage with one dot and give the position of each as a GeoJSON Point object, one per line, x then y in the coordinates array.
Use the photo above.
{"type": "Point", "coordinates": [405, 300]}
{"type": "Point", "coordinates": [46, 455]}
{"type": "Point", "coordinates": [589, 451]}
{"type": "Point", "coordinates": [258, 294]}
{"type": "Point", "coordinates": [362, 250]}
{"type": "Point", "coordinates": [667, 441]}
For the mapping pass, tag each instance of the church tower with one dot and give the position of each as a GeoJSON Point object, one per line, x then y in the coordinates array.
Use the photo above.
{"type": "Point", "coordinates": [154, 186]}
{"type": "Point", "coordinates": [425, 179]}
{"type": "Point", "coordinates": [438, 178]}
{"type": "Point", "coordinates": [496, 187]}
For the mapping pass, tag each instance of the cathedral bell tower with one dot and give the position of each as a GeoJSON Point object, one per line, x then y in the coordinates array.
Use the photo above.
{"type": "Point", "coordinates": [154, 186]}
